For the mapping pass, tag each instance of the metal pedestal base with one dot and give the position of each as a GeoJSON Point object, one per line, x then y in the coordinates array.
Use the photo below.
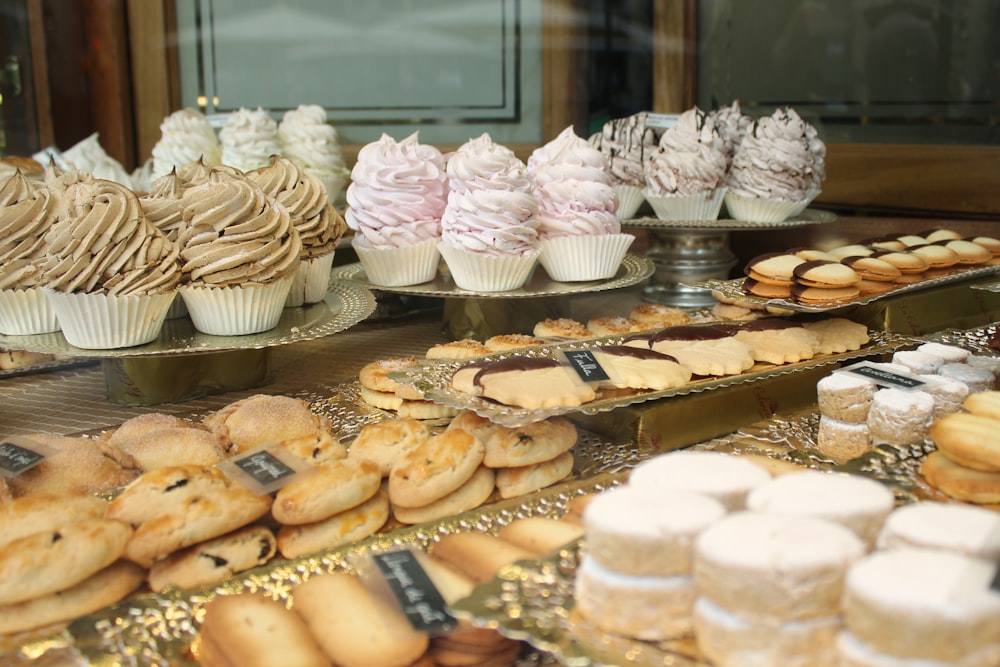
{"type": "Point", "coordinates": [687, 255]}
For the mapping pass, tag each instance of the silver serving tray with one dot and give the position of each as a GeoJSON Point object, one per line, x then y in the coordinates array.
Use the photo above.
{"type": "Point", "coordinates": [634, 269]}
{"type": "Point", "coordinates": [810, 216]}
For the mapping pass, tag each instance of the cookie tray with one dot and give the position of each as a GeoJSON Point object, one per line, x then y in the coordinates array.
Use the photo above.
{"type": "Point", "coordinates": [433, 379]}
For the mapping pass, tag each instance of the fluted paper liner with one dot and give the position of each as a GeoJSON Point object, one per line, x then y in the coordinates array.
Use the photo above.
{"type": "Point", "coordinates": [702, 206]}
{"type": "Point", "coordinates": [576, 258]}
{"type": "Point", "coordinates": [236, 311]}
{"type": "Point", "coordinates": [311, 281]}
{"type": "Point", "coordinates": [630, 198]}
{"type": "Point", "coordinates": [487, 273]}
{"type": "Point", "coordinates": [104, 322]}
{"type": "Point", "coordinates": [24, 312]}
{"type": "Point", "coordinates": [398, 267]}
{"type": "Point", "coordinates": [756, 209]}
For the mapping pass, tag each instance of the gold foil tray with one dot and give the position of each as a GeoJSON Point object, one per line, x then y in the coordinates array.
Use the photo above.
{"type": "Point", "coordinates": [633, 270]}
{"type": "Point", "coordinates": [346, 304]}
{"type": "Point", "coordinates": [810, 216]}
{"type": "Point", "coordinates": [732, 290]}
{"type": "Point", "coordinates": [433, 379]}
{"type": "Point", "coordinates": [976, 339]}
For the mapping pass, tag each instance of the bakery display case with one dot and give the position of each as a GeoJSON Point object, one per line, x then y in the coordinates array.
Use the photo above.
{"type": "Point", "coordinates": [582, 248]}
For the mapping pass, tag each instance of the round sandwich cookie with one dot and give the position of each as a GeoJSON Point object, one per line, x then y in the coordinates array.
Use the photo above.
{"type": "Point", "coordinates": [872, 268]}
{"type": "Point", "coordinates": [936, 256]}
{"type": "Point", "coordinates": [936, 234]}
{"type": "Point", "coordinates": [853, 250]}
{"type": "Point", "coordinates": [886, 242]}
{"type": "Point", "coordinates": [988, 242]}
{"type": "Point", "coordinates": [816, 295]}
{"type": "Point", "coordinates": [969, 253]}
{"type": "Point", "coordinates": [968, 439]}
{"type": "Point", "coordinates": [773, 268]}
{"type": "Point", "coordinates": [959, 482]}
{"type": "Point", "coordinates": [820, 273]}
{"type": "Point", "coordinates": [766, 290]}
{"type": "Point", "coordinates": [810, 254]}
{"type": "Point", "coordinates": [906, 262]}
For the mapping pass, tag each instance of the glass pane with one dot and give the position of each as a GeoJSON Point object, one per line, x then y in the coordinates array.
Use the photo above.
{"type": "Point", "coordinates": [886, 71]}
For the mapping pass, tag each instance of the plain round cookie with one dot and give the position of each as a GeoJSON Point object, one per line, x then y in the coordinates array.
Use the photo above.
{"type": "Point", "coordinates": [470, 495]}
{"type": "Point", "coordinates": [645, 531]}
{"type": "Point", "coordinates": [772, 566]}
{"type": "Point", "coordinates": [858, 503]}
{"type": "Point", "coordinates": [507, 342]}
{"type": "Point", "coordinates": [962, 529]}
{"type": "Point", "coordinates": [959, 482]}
{"type": "Point", "coordinates": [434, 468]}
{"type": "Point", "coordinates": [919, 603]}
{"type": "Point", "coordinates": [511, 447]}
{"type": "Point", "coordinates": [384, 443]}
{"type": "Point", "coordinates": [726, 478]}
{"type": "Point", "coordinates": [348, 526]}
{"type": "Point", "coordinates": [845, 398]}
{"type": "Point", "coordinates": [375, 376]}
{"type": "Point", "coordinates": [658, 315]}
{"type": "Point", "coordinates": [968, 439]}
{"type": "Point", "coordinates": [522, 480]}
{"type": "Point", "coordinates": [457, 349]}
{"type": "Point", "coordinates": [649, 608]}
{"type": "Point", "coordinates": [729, 640]}
{"type": "Point", "coordinates": [561, 327]}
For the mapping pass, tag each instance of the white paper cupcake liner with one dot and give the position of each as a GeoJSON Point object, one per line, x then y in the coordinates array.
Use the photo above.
{"type": "Point", "coordinates": [575, 258]}
{"type": "Point", "coordinates": [398, 267]}
{"type": "Point", "coordinates": [811, 194]}
{"type": "Point", "coordinates": [630, 198]}
{"type": "Point", "coordinates": [756, 209]}
{"type": "Point", "coordinates": [236, 311]}
{"type": "Point", "coordinates": [177, 309]}
{"type": "Point", "coordinates": [487, 273]}
{"type": "Point", "coordinates": [703, 206]}
{"type": "Point", "coordinates": [104, 322]}
{"type": "Point", "coordinates": [311, 281]}
{"type": "Point", "coordinates": [25, 312]}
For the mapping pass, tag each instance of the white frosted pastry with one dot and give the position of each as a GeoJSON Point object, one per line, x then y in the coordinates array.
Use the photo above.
{"type": "Point", "coordinates": [762, 566]}
{"type": "Point", "coordinates": [857, 503]}
{"type": "Point", "coordinates": [845, 397]}
{"type": "Point", "coordinates": [917, 361]}
{"type": "Point", "coordinates": [920, 603]}
{"type": "Point", "coordinates": [841, 440]}
{"type": "Point", "coordinates": [731, 641]}
{"type": "Point", "coordinates": [978, 379]}
{"type": "Point", "coordinates": [726, 478]}
{"type": "Point", "coordinates": [647, 608]}
{"type": "Point", "coordinates": [898, 416]}
{"type": "Point", "coordinates": [647, 531]}
{"type": "Point", "coordinates": [89, 156]}
{"type": "Point", "coordinates": [186, 136]}
{"type": "Point", "coordinates": [948, 394]}
{"type": "Point", "coordinates": [249, 139]}
{"type": "Point", "coordinates": [851, 652]}
{"type": "Point", "coordinates": [949, 354]}
{"type": "Point", "coordinates": [308, 139]}
{"type": "Point", "coordinates": [964, 529]}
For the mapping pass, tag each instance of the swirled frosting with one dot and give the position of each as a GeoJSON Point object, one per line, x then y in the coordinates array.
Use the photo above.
{"type": "Point", "coordinates": [88, 155]}
{"type": "Point", "coordinates": [197, 173]}
{"type": "Point", "coordinates": [308, 139]}
{"type": "Point", "coordinates": [103, 243]}
{"type": "Point", "coordinates": [162, 205]}
{"type": "Point", "coordinates": [304, 197]}
{"type": "Point", "coordinates": [398, 193]}
{"type": "Point", "coordinates": [627, 144]}
{"type": "Point", "coordinates": [691, 158]}
{"type": "Point", "coordinates": [249, 139]}
{"type": "Point", "coordinates": [574, 192]}
{"type": "Point", "coordinates": [26, 213]}
{"type": "Point", "coordinates": [185, 136]}
{"type": "Point", "coordinates": [491, 208]}
{"type": "Point", "coordinates": [235, 234]}
{"type": "Point", "coordinates": [732, 125]}
{"type": "Point", "coordinates": [777, 159]}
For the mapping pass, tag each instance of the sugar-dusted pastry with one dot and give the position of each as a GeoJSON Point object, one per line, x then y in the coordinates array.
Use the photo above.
{"type": "Point", "coordinates": [845, 397]}
{"type": "Point", "coordinates": [842, 441]}
{"type": "Point", "coordinates": [955, 527]}
{"type": "Point", "coordinates": [900, 416]}
{"type": "Point", "coordinates": [726, 478]}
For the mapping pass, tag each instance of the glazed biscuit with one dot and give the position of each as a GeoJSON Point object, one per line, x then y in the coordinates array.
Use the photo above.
{"type": "Point", "coordinates": [348, 526]}
{"type": "Point", "coordinates": [158, 489]}
{"type": "Point", "coordinates": [507, 342]}
{"type": "Point", "coordinates": [41, 512]}
{"type": "Point", "coordinates": [101, 589]}
{"type": "Point", "coordinates": [838, 334]}
{"type": "Point", "coordinates": [469, 496]}
{"type": "Point", "coordinates": [959, 482]}
{"type": "Point", "coordinates": [54, 560]}
{"type": "Point", "coordinates": [828, 275]}
{"type": "Point", "coordinates": [530, 383]}
{"type": "Point", "coordinates": [513, 482]}
{"type": "Point", "coordinates": [561, 327]}
{"type": "Point", "coordinates": [434, 468]}
{"type": "Point", "coordinates": [773, 268]}
{"type": "Point", "coordinates": [816, 295]}
{"type": "Point", "coordinates": [361, 629]}
{"type": "Point", "coordinates": [327, 490]}
{"type": "Point", "coordinates": [612, 326]}
{"type": "Point", "coordinates": [540, 534]}
{"type": "Point", "coordinates": [970, 440]}
{"type": "Point", "coordinates": [656, 315]}
{"type": "Point", "coordinates": [375, 376]}
{"type": "Point", "coordinates": [477, 555]}
{"type": "Point", "coordinates": [197, 519]}
{"type": "Point", "coordinates": [457, 349]}
{"type": "Point", "coordinates": [251, 630]}
{"type": "Point", "coordinates": [872, 268]}
{"type": "Point", "coordinates": [766, 290]}
{"type": "Point", "coordinates": [385, 442]}
{"type": "Point", "coordinates": [777, 341]}
{"type": "Point", "coordinates": [511, 447]}
{"type": "Point", "coordinates": [214, 560]}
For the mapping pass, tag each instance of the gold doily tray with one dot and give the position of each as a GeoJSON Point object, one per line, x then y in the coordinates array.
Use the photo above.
{"type": "Point", "coordinates": [634, 269]}
{"type": "Point", "coordinates": [346, 304]}
{"type": "Point", "coordinates": [433, 379]}
{"type": "Point", "coordinates": [732, 290]}
{"type": "Point", "coordinates": [810, 216]}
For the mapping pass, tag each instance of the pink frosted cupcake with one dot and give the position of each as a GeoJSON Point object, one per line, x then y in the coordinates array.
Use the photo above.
{"type": "Point", "coordinates": [685, 179]}
{"type": "Point", "coordinates": [110, 274]}
{"type": "Point", "coordinates": [578, 232]}
{"type": "Point", "coordinates": [395, 202]}
{"type": "Point", "coordinates": [777, 170]}
{"type": "Point", "coordinates": [239, 252]}
{"type": "Point", "coordinates": [627, 144]}
{"type": "Point", "coordinates": [26, 213]}
{"type": "Point", "coordinates": [318, 224]}
{"type": "Point", "coordinates": [489, 235]}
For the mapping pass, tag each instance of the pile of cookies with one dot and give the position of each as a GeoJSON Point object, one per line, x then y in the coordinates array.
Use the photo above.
{"type": "Point", "coordinates": [966, 465]}
{"type": "Point", "coordinates": [845, 273]}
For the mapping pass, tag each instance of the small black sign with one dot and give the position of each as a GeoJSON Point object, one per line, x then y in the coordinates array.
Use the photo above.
{"type": "Point", "coordinates": [886, 378]}
{"type": "Point", "coordinates": [264, 467]}
{"type": "Point", "coordinates": [15, 459]}
{"type": "Point", "coordinates": [586, 365]}
{"type": "Point", "coordinates": [995, 584]}
{"type": "Point", "coordinates": [417, 596]}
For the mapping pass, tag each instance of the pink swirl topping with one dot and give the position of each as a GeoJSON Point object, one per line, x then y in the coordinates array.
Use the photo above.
{"type": "Point", "coordinates": [732, 125]}
{"type": "Point", "coordinates": [627, 144]}
{"type": "Point", "coordinates": [573, 189]}
{"type": "Point", "coordinates": [103, 243]}
{"type": "Point", "coordinates": [780, 158]}
{"type": "Point", "coordinates": [491, 209]}
{"type": "Point", "coordinates": [691, 159]}
{"type": "Point", "coordinates": [26, 213]}
{"type": "Point", "coordinates": [397, 194]}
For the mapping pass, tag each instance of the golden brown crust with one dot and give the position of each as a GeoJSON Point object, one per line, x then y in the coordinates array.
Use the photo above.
{"type": "Point", "coordinates": [970, 440]}
{"type": "Point", "coordinates": [513, 482]}
{"type": "Point", "coordinates": [157, 490]}
{"type": "Point", "coordinates": [375, 376]}
{"type": "Point", "coordinates": [511, 447]}
{"type": "Point", "coordinates": [506, 342]}
{"type": "Point", "coordinates": [82, 467]}
{"type": "Point", "coordinates": [214, 560]}
{"type": "Point", "coordinates": [457, 349]}
{"type": "Point", "coordinates": [540, 534]}
{"type": "Point", "coordinates": [39, 512]}
{"type": "Point", "coordinates": [347, 526]}
{"type": "Point", "coordinates": [434, 468]}
{"type": "Point", "coordinates": [331, 488]}
{"type": "Point", "coordinates": [561, 327]}
{"type": "Point", "coordinates": [658, 315]}
{"type": "Point", "coordinates": [386, 442]}
{"type": "Point", "coordinates": [477, 555]}
{"type": "Point", "coordinates": [470, 495]}
{"type": "Point", "coordinates": [974, 486]}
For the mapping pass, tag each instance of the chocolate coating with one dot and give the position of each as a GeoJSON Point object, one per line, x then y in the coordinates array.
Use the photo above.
{"type": "Point", "coordinates": [512, 364]}
{"type": "Point", "coordinates": [693, 333]}
{"type": "Point", "coordinates": [635, 352]}
{"type": "Point", "coordinates": [770, 324]}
